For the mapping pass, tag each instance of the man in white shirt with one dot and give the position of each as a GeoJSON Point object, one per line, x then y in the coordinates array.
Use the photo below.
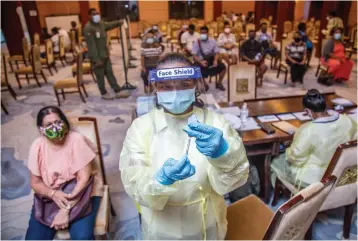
{"type": "Point", "coordinates": [188, 38]}
{"type": "Point", "coordinates": [227, 45]}
{"type": "Point", "coordinates": [66, 37]}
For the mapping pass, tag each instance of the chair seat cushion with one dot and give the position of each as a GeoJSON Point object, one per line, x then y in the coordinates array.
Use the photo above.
{"type": "Point", "coordinates": [86, 68]}
{"type": "Point", "coordinates": [65, 83]}
{"type": "Point", "coordinates": [284, 64]}
{"type": "Point", "coordinates": [16, 58]}
{"type": "Point", "coordinates": [24, 70]}
{"type": "Point", "coordinates": [43, 61]}
{"type": "Point", "coordinates": [101, 225]}
{"type": "Point", "coordinates": [248, 219]}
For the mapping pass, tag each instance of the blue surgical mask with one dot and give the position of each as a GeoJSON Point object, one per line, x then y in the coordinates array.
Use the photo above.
{"type": "Point", "coordinates": [203, 36]}
{"type": "Point", "coordinates": [337, 36]}
{"type": "Point", "coordinates": [177, 101]}
{"type": "Point", "coordinates": [149, 40]}
{"type": "Point", "coordinates": [96, 18]}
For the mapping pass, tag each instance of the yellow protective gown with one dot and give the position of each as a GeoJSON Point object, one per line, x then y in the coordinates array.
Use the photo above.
{"type": "Point", "coordinates": [313, 147]}
{"type": "Point", "coordinates": [193, 208]}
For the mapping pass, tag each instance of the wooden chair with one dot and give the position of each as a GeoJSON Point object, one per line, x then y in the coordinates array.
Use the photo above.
{"type": "Point", "coordinates": [62, 55]}
{"type": "Point", "coordinates": [320, 67]}
{"type": "Point", "coordinates": [86, 65]}
{"type": "Point", "coordinates": [174, 38]}
{"type": "Point", "coordinates": [5, 85]}
{"type": "Point", "coordinates": [79, 34]}
{"type": "Point", "coordinates": [21, 59]}
{"type": "Point", "coordinates": [49, 61]}
{"type": "Point", "coordinates": [163, 28]}
{"type": "Point", "coordinates": [265, 20]}
{"type": "Point", "coordinates": [287, 29]}
{"type": "Point", "coordinates": [72, 83]}
{"type": "Point", "coordinates": [343, 165]}
{"type": "Point", "coordinates": [88, 127]}
{"type": "Point", "coordinates": [35, 68]}
{"type": "Point", "coordinates": [251, 219]}
{"type": "Point", "coordinates": [248, 27]}
{"type": "Point", "coordinates": [283, 65]}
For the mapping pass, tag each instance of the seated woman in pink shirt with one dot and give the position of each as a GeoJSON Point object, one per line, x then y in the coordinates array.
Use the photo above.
{"type": "Point", "coordinates": [333, 56]}
{"type": "Point", "coordinates": [58, 156]}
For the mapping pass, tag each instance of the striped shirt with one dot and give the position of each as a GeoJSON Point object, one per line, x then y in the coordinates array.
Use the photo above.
{"type": "Point", "coordinates": [151, 51]}
{"type": "Point", "coordinates": [296, 51]}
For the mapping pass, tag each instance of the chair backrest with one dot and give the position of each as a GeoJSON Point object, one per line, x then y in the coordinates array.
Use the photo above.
{"type": "Point", "coordinates": [354, 37]}
{"type": "Point", "coordinates": [293, 218]}
{"type": "Point", "coordinates": [311, 32]}
{"type": "Point", "coordinates": [49, 51]}
{"type": "Point", "coordinates": [238, 24]}
{"type": "Point", "coordinates": [4, 76]}
{"type": "Point", "coordinates": [237, 30]}
{"type": "Point", "coordinates": [284, 43]}
{"type": "Point", "coordinates": [344, 166]}
{"type": "Point", "coordinates": [295, 25]}
{"type": "Point", "coordinates": [317, 23]}
{"type": "Point", "coordinates": [88, 127]}
{"type": "Point", "coordinates": [287, 26]}
{"type": "Point", "coordinates": [249, 26]}
{"type": "Point", "coordinates": [79, 67]}
{"type": "Point", "coordinates": [163, 27]}
{"type": "Point", "coordinates": [265, 20]}
{"type": "Point", "coordinates": [211, 32]}
{"type": "Point", "coordinates": [62, 45]}
{"type": "Point", "coordinates": [175, 33]}
{"type": "Point", "coordinates": [79, 34]}
{"type": "Point", "coordinates": [36, 58]}
{"type": "Point", "coordinates": [270, 19]}
{"type": "Point", "coordinates": [37, 39]}
{"type": "Point", "coordinates": [25, 48]}
{"type": "Point", "coordinates": [220, 28]}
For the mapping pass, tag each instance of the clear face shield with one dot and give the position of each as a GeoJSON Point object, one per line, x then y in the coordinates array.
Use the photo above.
{"type": "Point", "coordinates": [177, 90]}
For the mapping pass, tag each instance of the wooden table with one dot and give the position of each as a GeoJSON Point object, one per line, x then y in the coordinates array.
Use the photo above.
{"type": "Point", "coordinates": [257, 142]}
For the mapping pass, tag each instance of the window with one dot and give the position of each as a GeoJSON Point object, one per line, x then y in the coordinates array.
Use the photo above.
{"type": "Point", "coordinates": [112, 10]}
{"type": "Point", "coordinates": [186, 9]}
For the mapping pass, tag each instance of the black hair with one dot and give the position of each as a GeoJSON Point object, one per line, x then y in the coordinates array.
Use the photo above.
{"type": "Point", "coordinates": [332, 13]}
{"type": "Point", "coordinates": [54, 30]}
{"type": "Point", "coordinates": [179, 58]}
{"type": "Point", "coordinates": [314, 101]}
{"type": "Point", "coordinates": [204, 28]}
{"type": "Point", "coordinates": [91, 10]}
{"type": "Point", "coordinates": [226, 23]}
{"type": "Point", "coordinates": [336, 28]}
{"type": "Point", "coordinates": [48, 110]}
{"type": "Point", "coordinates": [151, 31]}
{"type": "Point", "coordinates": [73, 23]}
{"type": "Point", "coordinates": [191, 26]}
{"type": "Point", "coordinates": [302, 27]}
{"type": "Point", "coordinates": [251, 30]}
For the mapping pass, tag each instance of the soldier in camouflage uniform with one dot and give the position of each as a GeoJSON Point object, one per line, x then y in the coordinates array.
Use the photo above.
{"type": "Point", "coordinates": [95, 34]}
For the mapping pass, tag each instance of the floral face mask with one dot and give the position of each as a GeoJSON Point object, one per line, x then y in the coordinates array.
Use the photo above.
{"type": "Point", "coordinates": [55, 131]}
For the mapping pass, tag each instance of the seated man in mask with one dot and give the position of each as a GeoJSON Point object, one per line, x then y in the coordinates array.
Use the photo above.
{"type": "Point", "coordinates": [206, 54]}
{"type": "Point", "coordinates": [157, 34]}
{"type": "Point", "coordinates": [227, 44]}
{"type": "Point", "coordinates": [188, 38]}
{"type": "Point", "coordinates": [269, 47]}
{"type": "Point", "coordinates": [251, 50]}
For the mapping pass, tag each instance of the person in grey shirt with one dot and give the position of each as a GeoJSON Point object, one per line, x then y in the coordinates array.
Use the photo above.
{"type": "Point", "coordinates": [206, 54]}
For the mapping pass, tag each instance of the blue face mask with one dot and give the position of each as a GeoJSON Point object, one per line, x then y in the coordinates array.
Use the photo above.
{"type": "Point", "coordinates": [96, 18]}
{"type": "Point", "coordinates": [177, 101]}
{"type": "Point", "coordinates": [337, 36]}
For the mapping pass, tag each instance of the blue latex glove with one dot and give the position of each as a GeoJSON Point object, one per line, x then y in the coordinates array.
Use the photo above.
{"type": "Point", "coordinates": [209, 140]}
{"type": "Point", "coordinates": [173, 170]}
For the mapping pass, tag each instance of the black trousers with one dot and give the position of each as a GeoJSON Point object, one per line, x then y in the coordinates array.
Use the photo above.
{"type": "Point", "coordinates": [297, 71]}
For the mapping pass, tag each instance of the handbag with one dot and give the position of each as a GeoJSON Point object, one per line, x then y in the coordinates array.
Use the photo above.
{"type": "Point", "coordinates": [46, 209]}
{"type": "Point", "coordinates": [208, 58]}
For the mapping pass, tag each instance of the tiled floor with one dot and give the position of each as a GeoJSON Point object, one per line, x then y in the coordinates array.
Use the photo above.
{"type": "Point", "coordinates": [18, 130]}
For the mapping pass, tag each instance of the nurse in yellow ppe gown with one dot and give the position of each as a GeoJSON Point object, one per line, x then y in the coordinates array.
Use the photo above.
{"type": "Point", "coordinates": [314, 143]}
{"type": "Point", "coordinates": [181, 196]}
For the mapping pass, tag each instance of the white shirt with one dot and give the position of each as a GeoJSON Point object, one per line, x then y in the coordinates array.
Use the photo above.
{"type": "Point", "coordinates": [224, 39]}
{"type": "Point", "coordinates": [66, 37]}
{"type": "Point", "coordinates": [55, 42]}
{"type": "Point", "coordinates": [188, 39]}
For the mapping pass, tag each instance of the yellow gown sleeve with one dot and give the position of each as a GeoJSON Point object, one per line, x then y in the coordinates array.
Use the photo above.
{"type": "Point", "coordinates": [299, 151]}
{"type": "Point", "coordinates": [231, 170]}
{"type": "Point", "coordinates": [136, 172]}
{"type": "Point", "coordinates": [353, 132]}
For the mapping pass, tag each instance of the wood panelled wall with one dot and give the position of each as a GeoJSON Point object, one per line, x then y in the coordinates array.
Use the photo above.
{"type": "Point", "coordinates": [46, 8]}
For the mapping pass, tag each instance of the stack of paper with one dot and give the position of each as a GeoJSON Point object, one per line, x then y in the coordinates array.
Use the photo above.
{"type": "Point", "coordinates": [302, 116]}
{"type": "Point", "coordinates": [342, 102]}
{"type": "Point", "coordinates": [286, 127]}
{"type": "Point", "coordinates": [250, 124]}
{"type": "Point", "coordinates": [267, 118]}
{"type": "Point", "coordinates": [235, 110]}
{"type": "Point", "coordinates": [286, 117]}
{"type": "Point", "coordinates": [234, 121]}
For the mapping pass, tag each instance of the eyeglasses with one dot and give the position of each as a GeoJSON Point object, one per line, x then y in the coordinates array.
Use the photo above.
{"type": "Point", "coordinates": [175, 85]}
{"type": "Point", "coordinates": [56, 122]}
